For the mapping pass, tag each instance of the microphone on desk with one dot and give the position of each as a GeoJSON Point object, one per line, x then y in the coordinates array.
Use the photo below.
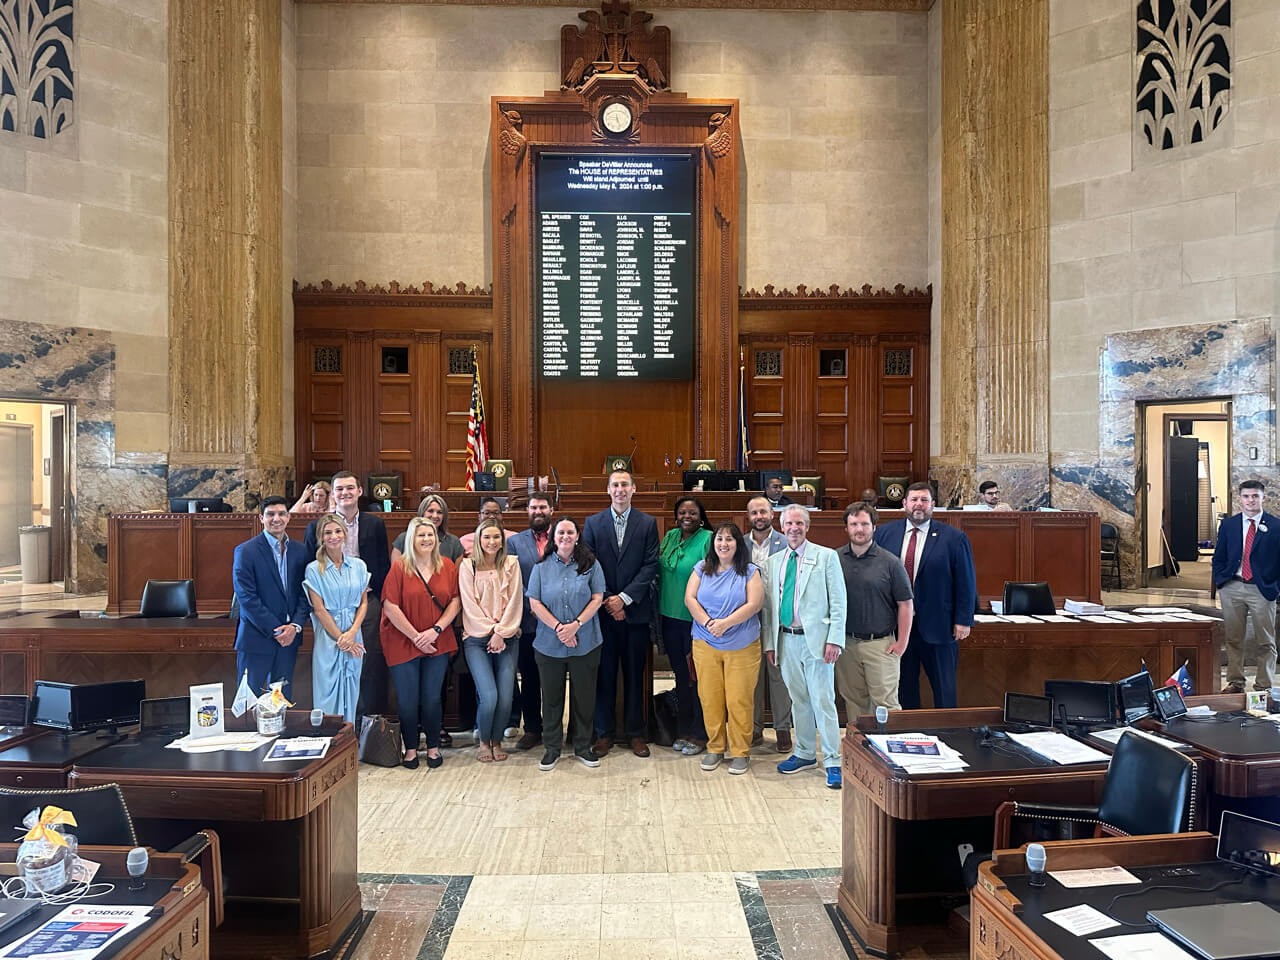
{"type": "Point", "coordinates": [136, 863]}
{"type": "Point", "coordinates": [882, 715]}
{"type": "Point", "coordinates": [1035, 864]}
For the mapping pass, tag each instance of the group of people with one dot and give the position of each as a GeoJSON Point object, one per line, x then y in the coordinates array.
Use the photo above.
{"type": "Point", "coordinates": [737, 615]}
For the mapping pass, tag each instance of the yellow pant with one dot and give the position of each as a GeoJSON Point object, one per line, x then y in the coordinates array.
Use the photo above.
{"type": "Point", "coordinates": [727, 684]}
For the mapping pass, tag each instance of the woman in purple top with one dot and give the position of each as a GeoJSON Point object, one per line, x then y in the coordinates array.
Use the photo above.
{"type": "Point", "coordinates": [724, 596]}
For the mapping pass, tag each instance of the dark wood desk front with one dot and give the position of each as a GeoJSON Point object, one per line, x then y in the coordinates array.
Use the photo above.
{"type": "Point", "coordinates": [1007, 915]}
{"type": "Point", "coordinates": [900, 830]}
{"type": "Point", "coordinates": [1062, 548]}
{"type": "Point", "coordinates": [288, 831]}
{"type": "Point", "coordinates": [181, 930]}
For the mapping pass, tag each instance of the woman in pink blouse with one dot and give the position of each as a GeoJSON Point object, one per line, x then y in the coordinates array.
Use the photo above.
{"type": "Point", "coordinates": [492, 593]}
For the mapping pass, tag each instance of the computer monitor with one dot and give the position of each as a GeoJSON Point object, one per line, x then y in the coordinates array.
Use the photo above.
{"type": "Point", "coordinates": [1082, 701]}
{"type": "Point", "coordinates": [166, 713]}
{"type": "Point", "coordinates": [1135, 696]}
{"type": "Point", "coordinates": [87, 706]}
{"type": "Point", "coordinates": [202, 505]}
{"type": "Point", "coordinates": [1250, 842]}
{"type": "Point", "coordinates": [13, 710]}
{"type": "Point", "coordinates": [1029, 709]}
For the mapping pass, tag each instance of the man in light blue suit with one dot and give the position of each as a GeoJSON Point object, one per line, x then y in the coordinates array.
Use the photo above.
{"type": "Point", "coordinates": [802, 626]}
{"type": "Point", "coordinates": [267, 575]}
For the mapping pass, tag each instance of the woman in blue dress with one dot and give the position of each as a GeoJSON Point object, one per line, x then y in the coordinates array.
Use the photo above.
{"type": "Point", "coordinates": [337, 586]}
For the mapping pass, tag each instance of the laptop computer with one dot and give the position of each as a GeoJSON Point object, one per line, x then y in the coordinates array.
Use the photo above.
{"type": "Point", "coordinates": [12, 910]}
{"type": "Point", "coordinates": [1223, 931]}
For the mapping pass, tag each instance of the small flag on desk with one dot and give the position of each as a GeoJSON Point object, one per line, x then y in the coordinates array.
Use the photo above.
{"type": "Point", "coordinates": [1144, 666]}
{"type": "Point", "coordinates": [1181, 679]}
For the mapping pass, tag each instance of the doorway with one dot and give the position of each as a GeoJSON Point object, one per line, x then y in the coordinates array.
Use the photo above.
{"type": "Point", "coordinates": [34, 492]}
{"type": "Point", "coordinates": [1187, 465]}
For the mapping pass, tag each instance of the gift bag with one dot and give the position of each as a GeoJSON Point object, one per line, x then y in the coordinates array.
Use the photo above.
{"type": "Point", "coordinates": [380, 741]}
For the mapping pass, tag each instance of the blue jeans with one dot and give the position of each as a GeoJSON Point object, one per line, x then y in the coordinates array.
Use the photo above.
{"type": "Point", "coordinates": [419, 684]}
{"type": "Point", "coordinates": [495, 678]}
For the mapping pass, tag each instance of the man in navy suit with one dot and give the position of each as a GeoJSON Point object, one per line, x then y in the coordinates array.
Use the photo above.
{"type": "Point", "coordinates": [939, 562]}
{"type": "Point", "coordinates": [366, 539]}
{"type": "Point", "coordinates": [625, 541]}
{"type": "Point", "coordinates": [1246, 571]}
{"type": "Point", "coordinates": [529, 546]}
{"type": "Point", "coordinates": [267, 575]}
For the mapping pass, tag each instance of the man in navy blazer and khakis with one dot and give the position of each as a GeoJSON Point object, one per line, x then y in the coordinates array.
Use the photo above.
{"type": "Point", "coordinates": [267, 577]}
{"type": "Point", "coordinates": [625, 541]}
{"type": "Point", "coordinates": [1246, 571]}
{"type": "Point", "coordinates": [939, 561]}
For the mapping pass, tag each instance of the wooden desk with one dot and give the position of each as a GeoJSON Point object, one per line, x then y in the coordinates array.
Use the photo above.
{"type": "Point", "coordinates": [1062, 548]}
{"type": "Point", "coordinates": [43, 760]}
{"type": "Point", "coordinates": [181, 930]}
{"type": "Point", "coordinates": [1007, 916]}
{"type": "Point", "coordinates": [900, 831]}
{"type": "Point", "coordinates": [301, 815]}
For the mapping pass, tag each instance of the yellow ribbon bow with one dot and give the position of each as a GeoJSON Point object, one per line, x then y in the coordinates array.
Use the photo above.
{"type": "Point", "coordinates": [44, 828]}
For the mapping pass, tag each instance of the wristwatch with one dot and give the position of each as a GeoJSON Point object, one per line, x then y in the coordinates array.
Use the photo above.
{"type": "Point", "coordinates": [437, 628]}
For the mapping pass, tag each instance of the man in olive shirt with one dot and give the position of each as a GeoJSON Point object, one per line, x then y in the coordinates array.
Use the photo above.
{"type": "Point", "coordinates": [878, 618]}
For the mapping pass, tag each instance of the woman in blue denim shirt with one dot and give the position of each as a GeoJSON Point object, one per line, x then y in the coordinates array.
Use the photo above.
{"type": "Point", "coordinates": [566, 588]}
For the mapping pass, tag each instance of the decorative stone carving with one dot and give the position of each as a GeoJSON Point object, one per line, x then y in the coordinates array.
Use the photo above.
{"type": "Point", "coordinates": [615, 40]}
{"type": "Point", "coordinates": [37, 80]}
{"type": "Point", "coordinates": [802, 298]}
{"type": "Point", "coordinates": [1184, 70]}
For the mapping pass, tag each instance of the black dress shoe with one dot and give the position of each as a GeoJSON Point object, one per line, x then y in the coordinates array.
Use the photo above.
{"type": "Point", "coordinates": [434, 762]}
{"type": "Point", "coordinates": [446, 739]}
{"type": "Point", "coordinates": [529, 741]}
{"type": "Point", "coordinates": [410, 764]}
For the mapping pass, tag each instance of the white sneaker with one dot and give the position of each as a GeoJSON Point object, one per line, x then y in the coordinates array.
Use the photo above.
{"type": "Point", "coordinates": [679, 744]}
{"type": "Point", "coordinates": [511, 732]}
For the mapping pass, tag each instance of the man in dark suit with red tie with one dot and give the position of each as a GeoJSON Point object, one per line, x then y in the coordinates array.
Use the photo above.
{"type": "Point", "coordinates": [1246, 571]}
{"type": "Point", "coordinates": [267, 576]}
{"type": "Point", "coordinates": [625, 541]}
{"type": "Point", "coordinates": [939, 561]}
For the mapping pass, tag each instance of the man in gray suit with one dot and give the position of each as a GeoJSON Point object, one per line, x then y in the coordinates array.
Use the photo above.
{"type": "Point", "coordinates": [764, 542]}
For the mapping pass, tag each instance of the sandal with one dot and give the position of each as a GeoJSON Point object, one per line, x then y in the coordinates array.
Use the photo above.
{"type": "Point", "coordinates": [485, 753]}
{"type": "Point", "coordinates": [498, 753]}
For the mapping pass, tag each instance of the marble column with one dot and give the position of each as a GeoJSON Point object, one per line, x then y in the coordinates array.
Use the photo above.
{"type": "Point", "coordinates": [994, 336]}
{"type": "Point", "coordinates": [226, 356]}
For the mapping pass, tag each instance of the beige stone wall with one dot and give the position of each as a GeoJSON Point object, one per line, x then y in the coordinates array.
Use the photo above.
{"type": "Point", "coordinates": [83, 218]}
{"type": "Point", "coordinates": [1139, 242]}
{"type": "Point", "coordinates": [393, 115]}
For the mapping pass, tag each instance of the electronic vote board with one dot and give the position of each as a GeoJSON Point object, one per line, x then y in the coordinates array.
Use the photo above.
{"type": "Point", "coordinates": [614, 265]}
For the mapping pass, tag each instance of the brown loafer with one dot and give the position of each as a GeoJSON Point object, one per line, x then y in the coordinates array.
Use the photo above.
{"type": "Point", "coordinates": [601, 746]}
{"type": "Point", "coordinates": [639, 747]}
{"type": "Point", "coordinates": [529, 741]}
{"type": "Point", "coordinates": [784, 742]}
{"type": "Point", "coordinates": [1233, 688]}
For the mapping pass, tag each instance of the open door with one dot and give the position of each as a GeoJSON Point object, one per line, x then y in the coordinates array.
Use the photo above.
{"type": "Point", "coordinates": [1182, 497]}
{"type": "Point", "coordinates": [58, 495]}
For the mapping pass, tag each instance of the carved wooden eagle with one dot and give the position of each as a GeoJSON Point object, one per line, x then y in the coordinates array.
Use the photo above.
{"type": "Point", "coordinates": [579, 49]}
{"type": "Point", "coordinates": [652, 50]}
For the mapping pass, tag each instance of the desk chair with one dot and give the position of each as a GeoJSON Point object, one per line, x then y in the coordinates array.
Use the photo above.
{"type": "Point", "coordinates": [168, 598]}
{"type": "Point", "coordinates": [1028, 599]}
{"type": "Point", "coordinates": [1110, 553]}
{"type": "Point", "coordinates": [102, 818]}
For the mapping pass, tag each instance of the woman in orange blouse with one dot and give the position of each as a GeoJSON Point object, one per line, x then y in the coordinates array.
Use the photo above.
{"type": "Point", "coordinates": [419, 604]}
{"type": "Point", "coordinates": [492, 593]}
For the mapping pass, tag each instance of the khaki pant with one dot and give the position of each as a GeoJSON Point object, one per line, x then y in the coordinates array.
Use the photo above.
{"type": "Point", "coordinates": [727, 684]}
{"type": "Point", "coordinates": [1240, 600]}
{"type": "Point", "coordinates": [867, 676]}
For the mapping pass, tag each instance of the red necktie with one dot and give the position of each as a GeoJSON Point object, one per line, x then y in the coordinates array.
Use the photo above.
{"type": "Point", "coordinates": [909, 561]}
{"type": "Point", "coordinates": [1246, 570]}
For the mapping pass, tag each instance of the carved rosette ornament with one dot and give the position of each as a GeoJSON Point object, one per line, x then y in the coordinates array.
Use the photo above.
{"type": "Point", "coordinates": [615, 40]}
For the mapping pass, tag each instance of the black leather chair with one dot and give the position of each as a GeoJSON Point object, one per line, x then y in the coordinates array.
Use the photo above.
{"type": "Point", "coordinates": [1028, 599]}
{"type": "Point", "coordinates": [102, 818]}
{"type": "Point", "coordinates": [168, 598]}
{"type": "Point", "coordinates": [1110, 553]}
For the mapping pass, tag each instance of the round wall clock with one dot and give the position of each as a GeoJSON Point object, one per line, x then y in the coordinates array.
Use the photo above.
{"type": "Point", "coordinates": [616, 118]}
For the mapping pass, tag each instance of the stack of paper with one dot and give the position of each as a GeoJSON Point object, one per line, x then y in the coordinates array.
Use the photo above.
{"type": "Point", "coordinates": [1059, 747]}
{"type": "Point", "coordinates": [918, 752]}
{"type": "Point", "coordinates": [1082, 606]}
{"type": "Point", "coordinates": [248, 740]}
{"type": "Point", "coordinates": [1114, 735]}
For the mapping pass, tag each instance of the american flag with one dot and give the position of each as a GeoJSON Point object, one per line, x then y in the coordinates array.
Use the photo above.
{"type": "Point", "coordinates": [477, 435]}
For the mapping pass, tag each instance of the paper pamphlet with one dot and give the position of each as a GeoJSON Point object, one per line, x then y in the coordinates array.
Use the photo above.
{"type": "Point", "coordinates": [79, 932]}
{"type": "Point", "coordinates": [1082, 920]}
{"type": "Point", "coordinates": [1093, 877]}
{"type": "Point", "coordinates": [1141, 946]}
{"type": "Point", "coordinates": [1058, 747]}
{"type": "Point", "coordinates": [299, 748]}
{"type": "Point", "coordinates": [1114, 735]}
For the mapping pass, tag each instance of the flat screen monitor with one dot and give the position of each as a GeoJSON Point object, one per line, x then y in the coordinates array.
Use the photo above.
{"type": "Point", "coordinates": [87, 706]}
{"type": "Point", "coordinates": [202, 505]}
{"type": "Point", "coordinates": [1082, 701]}
{"type": "Point", "coordinates": [1169, 702]}
{"type": "Point", "coordinates": [1135, 697]}
{"type": "Point", "coordinates": [167, 713]}
{"type": "Point", "coordinates": [615, 251]}
{"type": "Point", "coordinates": [1029, 709]}
{"type": "Point", "coordinates": [13, 710]}
{"type": "Point", "coordinates": [1250, 842]}
{"type": "Point", "coordinates": [51, 705]}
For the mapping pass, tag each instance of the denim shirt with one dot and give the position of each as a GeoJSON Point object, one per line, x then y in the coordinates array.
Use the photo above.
{"type": "Point", "coordinates": [565, 592]}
